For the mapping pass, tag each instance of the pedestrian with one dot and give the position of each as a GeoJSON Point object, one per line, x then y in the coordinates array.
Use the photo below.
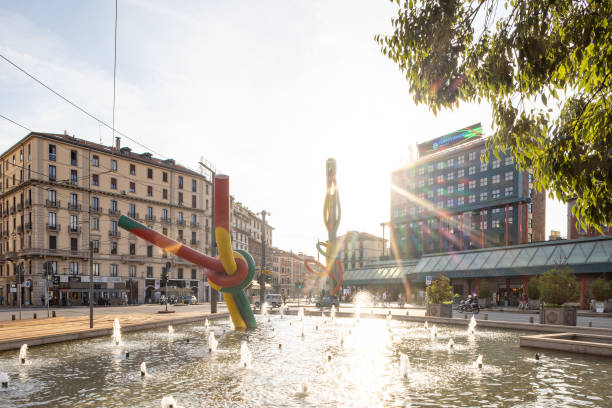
{"type": "Point", "coordinates": [0, 299]}
{"type": "Point", "coordinates": [384, 298]}
{"type": "Point", "coordinates": [42, 300]}
{"type": "Point", "coordinates": [399, 300]}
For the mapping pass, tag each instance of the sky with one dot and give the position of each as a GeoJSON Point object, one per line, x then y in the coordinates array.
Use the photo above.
{"type": "Point", "coordinates": [267, 91]}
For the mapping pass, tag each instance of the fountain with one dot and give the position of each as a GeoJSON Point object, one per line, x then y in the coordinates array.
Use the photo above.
{"type": "Point", "coordinates": [404, 365]}
{"type": "Point", "coordinates": [206, 324]}
{"type": "Point", "coordinates": [212, 342]}
{"type": "Point", "coordinates": [4, 380]}
{"type": "Point", "coordinates": [426, 326]}
{"type": "Point", "coordinates": [116, 332]}
{"type": "Point", "coordinates": [433, 332]}
{"type": "Point", "coordinates": [451, 344]}
{"type": "Point", "coordinates": [168, 402]}
{"type": "Point", "coordinates": [245, 355]}
{"type": "Point", "coordinates": [323, 316]}
{"type": "Point", "coordinates": [332, 314]}
{"type": "Point", "coordinates": [23, 353]}
{"type": "Point", "coordinates": [281, 311]}
{"type": "Point", "coordinates": [170, 330]}
{"type": "Point", "coordinates": [472, 327]}
{"type": "Point", "coordinates": [389, 317]}
{"type": "Point", "coordinates": [143, 369]}
{"type": "Point", "coordinates": [302, 390]}
{"type": "Point", "coordinates": [478, 362]}
{"type": "Point", "coordinates": [300, 314]}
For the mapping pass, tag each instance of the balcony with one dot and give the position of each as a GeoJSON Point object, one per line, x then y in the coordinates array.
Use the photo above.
{"type": "Point", "coordinates": [166, 220]}
{"type": "Point", "coordinates": [96, 210]}
{"type": "Point", "coordinates": [54, 228]}
{"type": "Point", "coordinates": [195, 224]}
{"type": "Point", "coordinates": [53, 204]}
{"type": "Point", "coordinates": [180, 222]}
{"type": "Point", "coordinates": [5, 212]}
{"type": "Point", "coordinates": [20, 207]}
{"type": "Point", "coordinates": [20, 229]}
{"type": "Point", "coordinates": [5, 233]}
{"type": "Point", "coordinates": [28, 203]}
{"type": "Point", "coordinates": [12, 211]}
{"type": "Point", "coordinates": [74, 207]}
{"type": "Point", "coordinates": [114, 212]}
{"type": "Point", "coordinates": [133, 215]}
{"type": "Point", "coordinates": [150, 217]}
{"type": "Point", "coordinates": [114, 234]}
{"type": "Point", "coordinates": [28, 226]}
{"type": "Point", "coordinates": [74, 229]}
{"type": "Point", "coordinates": [73, 182]}
{"type": "Point", "coordinates": [134, 258]}
{"type": "Point", "coordinates": [194, 242]}
{"type": "Point", "coordinates": [181, 240]}
{"type": "Point", "coordinates": [66, 254]}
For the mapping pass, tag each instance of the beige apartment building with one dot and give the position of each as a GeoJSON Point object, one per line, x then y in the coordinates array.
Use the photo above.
{"type": "Point", "coordinates": [58, 193]}
{"type": "Point", "coordinates": [247, 231]}
{"type": "Point", "coordinates": [288, 273]}
{"type": "Point", "coordinates": [359, 248]}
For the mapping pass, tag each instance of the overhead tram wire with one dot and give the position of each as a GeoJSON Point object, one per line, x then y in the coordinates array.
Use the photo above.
{"type": "Point", "coordinates": [115, 70]}
{"type": "Point", "coordinates": [15, 123]}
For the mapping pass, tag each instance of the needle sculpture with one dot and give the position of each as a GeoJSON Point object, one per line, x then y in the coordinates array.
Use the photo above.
{"type": "Point", "coordinates": [329, 249]}
{"type": "Point", "coordinates": [230, 273]}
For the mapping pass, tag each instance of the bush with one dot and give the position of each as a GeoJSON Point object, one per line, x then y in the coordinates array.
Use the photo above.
{"type": "Point", "coordinates": [533, 289]}
{"type": "Point", "coordinates": [440, 291]}
{"type": "Point", "coordinates": [484, 292]}
{"type": "Point", "coordinates": [558, 286]}
{"type": "Point", "coordinates": [601, 290]}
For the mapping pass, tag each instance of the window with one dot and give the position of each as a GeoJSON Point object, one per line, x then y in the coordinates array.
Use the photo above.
{"type": "Point", "coordinates": [483, 196]}
{"type": "Point", "coordinates": [495, 223]}
{"type": "Point", "coordinates": [194, 185]}
{"type": "Point", "coordinates": [74, 223]}
{"type": "Point", "coordinates": [52, 153]}
{"type": "Point", "coordinates": [95, 224]}
{"type": "Point", "coordinates": [430, 168]}
{"type": "Point", "coordinates": [509, 175]}
{"type": "Point", "coordinates": [460, 186]}
{"type": "Point", "coordinates": [440, 204]}
{"type": "Point", "coordinates": [165, 176]}
{"type": "Point", "coordinates": [421, 183]}
{"type": "Point", "coordinates": [164, 215]}
{"type": "Point", "coordinates": [472, 198]}
{"type": "Point", "coordinates": [73, 158]}
{"type": "Point", "coordinates": [451, 189]}
{"type": "Point", "coordinates": [113, 204]}
{"type": "Point", "coordinates": [460, 201]}
{"type": "Point", "coordinates": [430, 181]}
{"type": "Point", "coordinates": [149, 213]}
{"type": "Point", "coordinates": [113, 270]}
{"type": "Point", "coordinates": [95, 161]}
{"type": "Point", "coordinates": [450, 203]}
{"type": "Point", "coordinates": [165, 194]}
{"type": "Point", "coordinates": [149, 272]}
{"type": "Point", "coordinates": [430, 194]}
{"type": "Point", "coordinates": [483, 181]}
{"type": "Point", "coordinates": [150, 251]}
{"type": "Point", "coordinates": [193, 274]}
{"type": "Point", "coordinates": [495, 179]}
{"type": "Point", "coordinates": [472, 156]}
{"type": "Point", "coordinates": [509, 191]}
{"type": "Point", "coordinates": [495, 194]}
{"type": "Point", "coordinates": [132, 210]}
{"type": "Point", "coordinates": [150, 173]}
{"type": "Point", "coordinates": [194, 237]}
{"type": "Point", "coordinates": [194, 201]}
{"type": "Point", "coordinates": [113, 183]}
{"type": "Point", "coordinates": [96, 245]}
{"type": "Point", "coordinates": [460, 173]}
{"type": "Point", "coordinates": [180, 273]}
{"type": "Point", "coordinates": [508, 160]}
{"type": "Point", "coordinates": [180, 198]}
{"type": "Point", "coordinates": [113, 227]}
{"type": "Point", "coordinates": [460, 159]}
{"type": "Point", "coordinates": [440, 165]}
{"type": "Point", "coordinates": [149, 191]}
{"type": "Point", "coordinates": [450, 162]}
{"type": "Point", "coordinates": [483, 167]}
{"type": "Point", "coordinates": [472, 184]}
{"type": "Point", "coordinates": [74, 244]}
{"type": "Point", "coordinates": [74, 268]}
{"type": "Point", "coordinates": [74, 178]}
{"type": "Point", "coordinates": [113, 165]}
{"type": "Point", "coordinates": [420, 172]}
{"type": "Point", "coordinates": [180, 217]}
{"type": "Point", "coordinates": [132, 248]}
{"type": "Point", "coordinates": [132, 169]}
{"type": "Point", "coordinates": [52, 174]}
{"type": "Point", "coordinates": [450, 176]}
{"type": "Point", "coordinates": [74, 200]}
{"type": "Point", "coordinates": [52, 220]}
{"type": "Point", "coordinates": [96, 269]}
{"type": "Point", "coordinates": [194, 220]}
{"type": "Point", "coordinates": [440, 179]}
{"type": "Point", "coordinates": [113, 247]}
{"type": "Point", "coordinates": [52, 242]}
{"type": "Point", "coordinates": [95, 180]}
{"type": "Point", "coordinates": [472, 170]}
{"type": "Point", "coordinates": [496, 164]}
{"type": "Point", "coordinates": [440, 192]}
{"type": "Point", "coordinates": [132, 187]}
{"type": "Point", "coordinates": [484, 224]}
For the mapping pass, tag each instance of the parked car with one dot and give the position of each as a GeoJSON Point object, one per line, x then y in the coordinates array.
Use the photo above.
{"type": "Point", "coordinates": [191, 300]}
{"type": "Point", "coordinates": [327, 301]}
{"type": "Point", "coordinates": [274, 300]}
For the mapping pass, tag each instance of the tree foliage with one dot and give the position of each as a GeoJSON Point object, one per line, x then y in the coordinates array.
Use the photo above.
{"type": "Point", "coordinates": [601, 290]}
{"type": "Point", "coordinates": [440, 291]}
{"type": "Point", "coordinates": [545, 68]}
{"type": "Point", "coordinates": [532, 288]}
{"type": "Point", "coordinates": [484, 291]}
{"type": "Point", "coordinates": [558, 286]}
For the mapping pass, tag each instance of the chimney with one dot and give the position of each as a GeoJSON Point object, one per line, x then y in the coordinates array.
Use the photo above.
{"type": "Point", "coordinates": [117, 143]}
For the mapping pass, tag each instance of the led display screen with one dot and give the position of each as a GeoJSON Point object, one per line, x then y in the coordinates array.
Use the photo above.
{"type": "Point", "coordinates": [451, 139]}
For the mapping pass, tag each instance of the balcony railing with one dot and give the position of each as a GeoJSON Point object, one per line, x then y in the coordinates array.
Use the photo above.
{"type": "Point", "coordinates": [133, 258]}
{"type": "Point", "coordinates": [166, 220]}
{"type": "Point", "coordinates": [12, 210]}
{"type": "Point", "coordinates": [114, 213]}
{"type": "Point", "coordinates": [49, 203]}
{"type": "Point", "coordinates": [74, 229]}
{"type": "Point", "coordinates": [95, 209]}
{"type": "Point", "coordinates": [195, 224]}
{"type": "Point", "coordinates": [28, 203]}
{"type": "Point", "coordinates": [150, 217]}
{"type": "Point", "coordinates": [74, 206]}
{"type": "Point", "coordinates": [54, 227]}
{"type": "Point", "coordinates": [28, 226]}
{"type": "Point", "coordinates": [115, 234]}
{"type": "Point", "coordinates": [180, 222]}
{"type": "Point", "coordinates": [134, 215]}
{"type": "Point", "coordinates": [194, 242]}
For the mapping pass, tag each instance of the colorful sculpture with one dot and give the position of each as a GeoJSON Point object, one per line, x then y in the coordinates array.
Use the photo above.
{"type": "Point", "coordinates": [329, 249]}
{"type": "Point", "coordinates": [231, 273]}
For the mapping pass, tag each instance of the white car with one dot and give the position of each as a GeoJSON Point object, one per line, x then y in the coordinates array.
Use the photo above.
{"type": "Point", "coordinates": [274, 300]}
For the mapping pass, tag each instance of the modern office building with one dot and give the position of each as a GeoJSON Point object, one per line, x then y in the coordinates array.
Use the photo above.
{"type": "Point", "coordinates": [449, 199]}
{"type": "Point", "coordinates": [58, 193]}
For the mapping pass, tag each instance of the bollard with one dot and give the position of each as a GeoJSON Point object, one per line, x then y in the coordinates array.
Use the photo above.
{"type": "Point", "coordinates": [12, 317]}
{"type": "Point", "coordinates": [127, 354]}
{"type": "Point", "coordinates": [590, 324]}
{"type": "Point", "coordinates": [34, 316]}
{"type": "Point", "coordinates": [485, 316]}
{"type": "Point", "coordinates": [407, 313]}
{"type": "Point", "coordinates": [53, 313]}
{"type": "Point", "coordinates": [530, 319]}
{"type": "Point", "coordinates": [465, 316]}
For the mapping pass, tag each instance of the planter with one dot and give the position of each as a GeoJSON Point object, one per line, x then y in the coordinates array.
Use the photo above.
{"type": "Point", "coordinates": [608, 306]}
{"type": "Point", "coordinates": [439, 310]}
{"type": "Point", "coordinates": [565, 316]}
{"type": "Point", "coordinates": [533, 304]}
{"type": "Point", "coordinates": [599, 307]}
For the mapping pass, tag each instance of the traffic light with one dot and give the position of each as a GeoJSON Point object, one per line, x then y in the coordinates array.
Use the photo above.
{"type": "Point", "coordinates": [164, 276]}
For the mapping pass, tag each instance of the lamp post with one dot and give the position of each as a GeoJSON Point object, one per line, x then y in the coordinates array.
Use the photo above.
{"type": "Point", "coordinates": [166, 277]}
{"type": "Point", "coordinates": [262, 278]}
{"type": "Point", "coordinates": [213, 241]}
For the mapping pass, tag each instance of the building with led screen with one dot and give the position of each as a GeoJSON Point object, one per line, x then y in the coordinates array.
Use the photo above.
{"type": "Point", "coordinates": [450, 200]}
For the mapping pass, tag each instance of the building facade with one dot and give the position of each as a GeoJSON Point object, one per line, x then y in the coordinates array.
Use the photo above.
{"type": "Point", "coordinates": [247, 233]}
{"type": "Point", "coordinates": [578, 231]}
{"type": "Point", "coordinates": [59, 193]}
{"type": "Point", "coordinates": [289, 276]}
{"type": "Point", "coordinates": [357, 248]}
{"type": "Point", "coordinates": [449, 199]}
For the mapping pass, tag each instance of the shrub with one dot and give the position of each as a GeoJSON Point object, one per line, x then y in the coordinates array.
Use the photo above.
{"type": "Point", "coordinates": [558, 286]}
{"type": "Point", "coordinates": [440, 291]}
{"type": "Point", "coordinates": [533, 289]}
{"type": "Point", "coordinates": [484, 292]}
{"type": "Point", "coordinates": [601, 290]}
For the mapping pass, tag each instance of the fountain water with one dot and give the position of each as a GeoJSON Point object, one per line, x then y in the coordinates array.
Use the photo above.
{"type": "Point", "coordinates": [323, 316]}
{"type": "Point", "coordinates": [302, 390]}
{"type": "Point", "coordinates": [281, 310]}
{"type": "Point", "coordinates": [404, 365]}
{"type": "Point", "coordinates": [245, 355]}
{"type": "Point", "coordinates": [300, 314]}
{"type": "Point", "coordinates": [212, 342]}
{"type": "Point", "coordinates": [23, 353]}
{"type": "Point", "coordinates": [332, 314]}
{"type": "Point", "coordinates": [340, 340]}
{"type": "Point", "coordinates": [389, 317]}
{"type": "Point", "coordinates": [426, 326]}
{"type": "Point", "coordinates": [302, 328]}
{"type": "Point", "coordinates": [357, 312]}
{"type": "Point", "coordinates": [4, 380]}
{"type": "Point", "coordinates": [143, 369]}
{"type": "Point", "coordinates": [168, 402]}
{"type": "Point", "coordinates": [170, 330]}
{"type": "Point", "coordinates": [433, 332]}
{"type": "Point", "coordinates": [451, 344]}
{"type": "Point", "coordinates": [478, 362]}
{"type": "Point", "coordinates": [472, 326]}
{"type": "Point", "coordinates": [116, 332]}
{"type": "Point", "coordinates": [206, 324]}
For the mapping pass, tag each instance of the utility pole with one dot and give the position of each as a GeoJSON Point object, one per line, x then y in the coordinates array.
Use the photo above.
{"type": "Point", "coordinates": [213, 241]}
{"type": "Point", "coordinates": [262, 277]}
{"type": "Point", "coordinates": [20, 286]}
{"type": "Point", "coordinates": [168, 266]}
{"type": "Point", "coordinates": [91, 285]}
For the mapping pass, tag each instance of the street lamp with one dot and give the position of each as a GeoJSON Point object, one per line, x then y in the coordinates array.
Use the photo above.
{"type": "Point", "coordinates": [213, 241]}
{"type": "Point", "coordinates": [262, 278]}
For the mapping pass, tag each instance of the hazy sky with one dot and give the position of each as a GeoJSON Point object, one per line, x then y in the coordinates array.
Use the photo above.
{"type": "Point", "coordinates": [266, 90]}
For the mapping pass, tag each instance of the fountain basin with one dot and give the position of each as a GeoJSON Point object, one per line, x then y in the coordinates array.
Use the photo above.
{"type": "Point", "coordinates": [598, 345]}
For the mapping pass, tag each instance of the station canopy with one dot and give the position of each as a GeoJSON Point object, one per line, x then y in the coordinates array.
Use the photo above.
{"type": "Point", "coordinates": [384, 273]}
